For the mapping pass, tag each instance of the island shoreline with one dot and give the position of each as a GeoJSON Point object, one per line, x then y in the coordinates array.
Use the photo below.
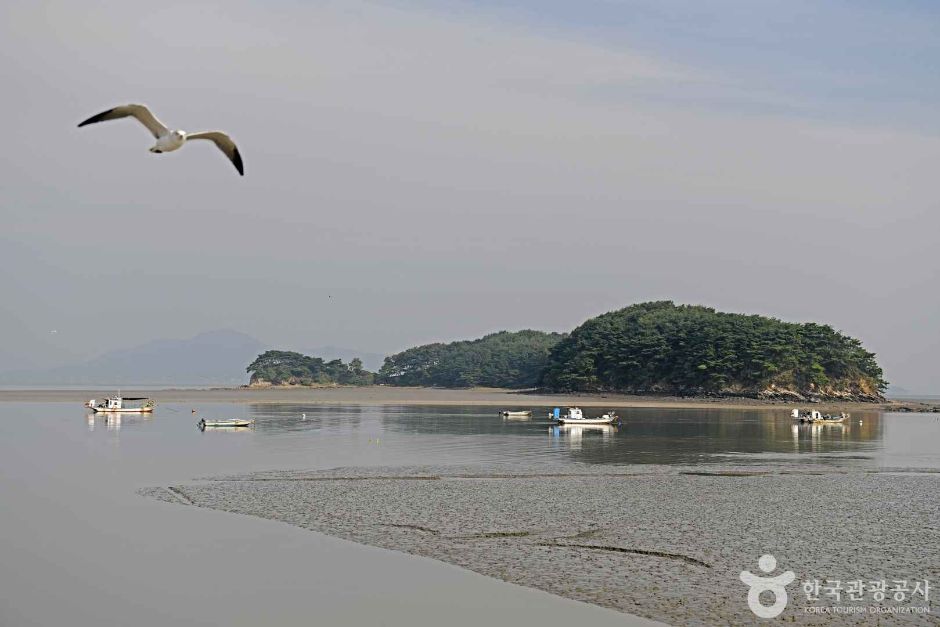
{"type": "Point", "coordinates": [482, 397]}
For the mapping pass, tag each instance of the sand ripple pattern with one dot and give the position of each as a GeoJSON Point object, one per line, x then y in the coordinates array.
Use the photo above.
{"type": "Point", "coordinates": [667, 545]}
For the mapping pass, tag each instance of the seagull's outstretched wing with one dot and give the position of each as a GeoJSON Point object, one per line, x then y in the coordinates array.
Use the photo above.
{"type": "Point", "coordinates": [138, 111]}
{"type": "Point", "coordinates": [225, 144]}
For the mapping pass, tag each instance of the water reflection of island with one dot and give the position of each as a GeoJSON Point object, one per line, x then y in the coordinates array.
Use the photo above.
{"type": "Point", "coordinates": [661, 436]}
{"type": "Point", "coordinates": [656, 436]}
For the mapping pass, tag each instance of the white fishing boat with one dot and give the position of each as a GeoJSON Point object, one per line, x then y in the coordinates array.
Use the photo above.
{"type": "Point", "coordinates": [234, 422]}
{"type": "Point", "coordinates": [122, 405]}
{"type": "Point", "coordinates": [818, 418]}
{"type": "Point", "coordinates": [516, 414]}
{"type": "Point", "coordinates": [574, 416]}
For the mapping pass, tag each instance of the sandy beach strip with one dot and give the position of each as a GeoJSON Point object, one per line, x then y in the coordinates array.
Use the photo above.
{"type": "Point", "coordinates": [665, 543]}
{"type": "Point", "coordinates": [390, 395]}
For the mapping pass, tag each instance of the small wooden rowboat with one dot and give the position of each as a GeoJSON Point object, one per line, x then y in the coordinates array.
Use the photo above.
{"type": "Point", "coordinates": [235, 422]}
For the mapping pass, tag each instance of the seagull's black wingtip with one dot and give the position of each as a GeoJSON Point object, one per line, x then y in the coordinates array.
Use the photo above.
{"type": "Point", "coordinates": [96, 118]}
{"type": "Point", "coordinates": [237, 161]}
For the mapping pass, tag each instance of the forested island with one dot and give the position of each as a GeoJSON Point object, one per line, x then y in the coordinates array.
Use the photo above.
{"type": "Point", "coordinates": [501, 360]}
{"type": "Point", "coordinates": [655, 348]}
{"type": "Point", "coordinates": [290, 368]}
{"type": "Point", "coordinates": [663, 348]}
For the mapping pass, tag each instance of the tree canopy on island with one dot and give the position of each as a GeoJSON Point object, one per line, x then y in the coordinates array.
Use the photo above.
{"type": "Point", "coordinates": [649, 348]}
{"type": "Point", "coordinates": [506, 359]}
{"type": "Point", "coordinates": [290, 368]}
{"type": "Point", "coordinates": [660, 347]}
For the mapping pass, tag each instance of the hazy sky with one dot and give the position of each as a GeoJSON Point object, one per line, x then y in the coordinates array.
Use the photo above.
{"type": "Point", "coordinates": [421, 171]}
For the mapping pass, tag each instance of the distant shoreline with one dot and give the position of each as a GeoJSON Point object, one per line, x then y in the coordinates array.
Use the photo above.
{"type": "Point", "coordinates": [488, 397]}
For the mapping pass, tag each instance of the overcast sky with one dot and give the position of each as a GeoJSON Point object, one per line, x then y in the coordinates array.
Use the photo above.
{"type": "Point", "coordinates": [422, 171]}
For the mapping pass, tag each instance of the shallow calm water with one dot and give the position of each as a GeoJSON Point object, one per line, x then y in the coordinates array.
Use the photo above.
{"type": "Point", "coordinates": [288, 436]}
{"type": "Point", "coordinates": [81, 547]}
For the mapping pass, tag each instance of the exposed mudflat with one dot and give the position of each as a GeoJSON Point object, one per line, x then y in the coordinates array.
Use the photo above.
{"type": "Point", "coordinates": [663, 543]}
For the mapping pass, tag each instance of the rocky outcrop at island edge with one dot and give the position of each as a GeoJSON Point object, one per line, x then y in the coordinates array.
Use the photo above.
{"type": "Point", "coordinates": [858, 392]}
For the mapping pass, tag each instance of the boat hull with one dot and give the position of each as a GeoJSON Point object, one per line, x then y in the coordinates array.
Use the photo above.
{"type": "Point", "coordinates": [588, 421]}
{"type": "Point", "coordinates": [225, 423]}
{"type": "Point", "coordinates": [123, 410]}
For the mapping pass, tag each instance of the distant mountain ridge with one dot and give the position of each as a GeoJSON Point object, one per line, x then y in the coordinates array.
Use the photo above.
{"type": "Point", "coordinates": [213, 357]}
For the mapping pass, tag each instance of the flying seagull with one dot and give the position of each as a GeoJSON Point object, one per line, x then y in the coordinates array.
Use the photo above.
{"type": "Point", "coordinates": [167, 140]}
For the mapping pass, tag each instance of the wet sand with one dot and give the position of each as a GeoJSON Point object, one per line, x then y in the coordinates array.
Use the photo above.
{"type": "Point", "coordinates": [388, 395]}
{"type": "Point", "coordinates": [665, 543]}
